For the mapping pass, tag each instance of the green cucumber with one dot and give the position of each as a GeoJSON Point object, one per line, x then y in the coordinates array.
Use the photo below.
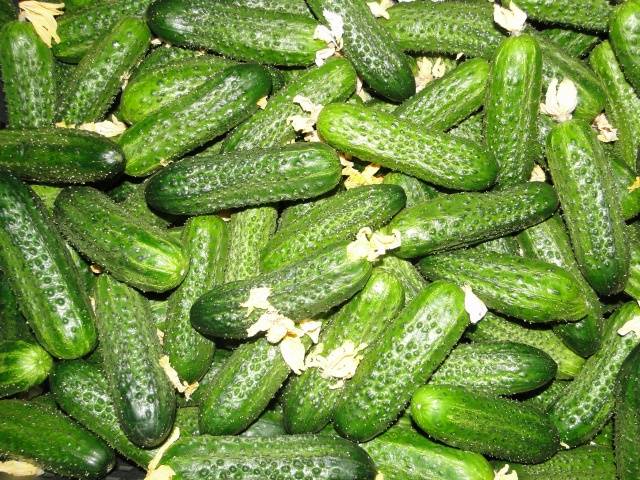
{"type": "Point", "coordinates": [453, 221]}
{"type": "Point", "coordinates": [220, 356]}
{"type": "Point", "coordinates": [623, 177]}
{"type": "Point", "coordinates": [524, 288]}
{"type": "Point", "coordinates": [632, 287]}
{"type": "Point", "coordinates": [143, 397]}
{"type": "Point", "coordinates": [573, 42]}
{"type": "Point", "coordinates": [248, 34]}
{"type": "Point", "coordinates": [268, 425]}
{"type": "Point", "coordinates": [411, 280]}
{"type": "Point", "coordinates": [625, 39]}
{"type": "Point", "coordinates": [627, 417]}
{"type": "Point", "coordinates": [27, 76]}
{"type": "Point", "coordinates": [59, 155]}
{"type": "Point", "coordinates": [587, 403]}
{"type": "Point", "coordinates": [298, 7]}
{"type": "Point", "coordinates": [40, 435]}
{"type": "Point", "coordinates": [40, 271]}
{"type": "Point", "coordinates": [472, 128]}
{"type": "Point", "coordinates": [22, 365]}
{"type": "Point", "coordinates": [590, 15]}
{"type": "Point", "coordinates": [511, 107]}
{"type": "Point", "coordinates": [383, 139]}
{"type": "Point", "coordinates": [131, 197]}
{"type": "Point", "coordinates": [210, 110]}
{"type": "Point", "coordinates": [590, 205]}
{"type": "Point", "coordinates": [545, 398]}
{"type": "Point", "coordinates": [507, 245]}
{"type": "Point", "coordinates": [8, 11]}
{"type": "Point", "coordinates": [415, 190]}
{"type": "Point", "coordinates": [13, 326]}
{"type": "Point", "coordinates": [485, 424]}
{"type": "Point", "coordinates": [408, 352]}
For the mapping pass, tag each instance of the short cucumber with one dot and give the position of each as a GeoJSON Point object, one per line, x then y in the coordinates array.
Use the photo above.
{"type": "Point", "coordinates": [22, 365]}
{"type": "Point", "coordinates": [625, 39]}
{"type": "Point", "coordinates": [415, 190]}
{"type": "Point", "coordinates": [485, 424]}
{"type": "Point", "coordinates": [590, 15]}
{"type": "Point", "coordinates": [573, 42]}
{"type": "Point", "coordinates": [627, 417]}
{"type": "Point", "coordinates": [410, 278]}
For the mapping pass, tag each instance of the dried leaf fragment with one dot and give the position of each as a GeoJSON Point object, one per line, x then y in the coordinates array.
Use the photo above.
{"type": "Point", "coordinates": [537, 174]}
{"type": "Point", "coordinates": [42, 17]}
{"type": "Point", "coordinates": [473, 305]}
{"type": "Point", "coordinates": [512, 19]}
{"type": "Point", "coordinates": [182, 387]}
{"type": "Point", "coordinates": [606, 132]}
{"type": "Point", "coordinates": [429, 70]}
{"type": "Point", "coordinates": [155, 461]}
{"type": "Point", "coordinates": [503, 474]}
{"type": "Point", "coordinates": [356, 178]}
{"type": "Point", "coordinates": [561, 100]}
{"type": "Point", "coordinates": [379, 9]}
{"type": "Point", "coordinates": [635, 185]}
{"type": "Point", "coordinates": [20, 469]}
{"type": "Point", "coordinates": [372, 245]}
{"type": "Point", "coordinates": [629, 327]}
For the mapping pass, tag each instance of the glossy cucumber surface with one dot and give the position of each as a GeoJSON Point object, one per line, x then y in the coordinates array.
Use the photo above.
{"type": "Point", "coordinates": [22, 365]}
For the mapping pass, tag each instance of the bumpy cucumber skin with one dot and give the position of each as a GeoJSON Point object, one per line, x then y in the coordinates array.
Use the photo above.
{"type": "Point", "coordinates": [445, 102]}
{"type": "Point", "coordinates": [574, 43]}
{"type": "Point", "coordinates": [143, 397]}
{"type": "Point", "coordinates": [472, 128]}
{"type": "Point", "coordinates": [485, 424]}
{"type": "Point", "coordinates": [13, 325]}
{"type": "Point", "coordinates": [59, 155]}
{"type": "Point", "coordinates": [408, 352]}
{"type": "Point", "coordinates": [298, 7]}
{"type": "Point", "coordinates": [511, 107]}
{"type": "Point", "coordinates": [411, 280]}
{"type": "Point", "coordinates": [400, 145]}
{"type": "Point", "coordinates": [587, 403]}
{"type": "Point", "coordinates": [624, 35]}
{"type": "Point", "coordinates": [627, 417]}
{"type": "Point", "coordinates": [247, 34]}
{"type": "Point", "coordinates": [532, 290]}
{"type": "Point", "coordinates": [22, 365]}
{"type": "Point", "coordinates": [592, 15]}
{"type": "Point", "coordinates": [331, 220]}
{"type": "Point", "coordinates": [453, 221]}
{"type": "Point", "coordinates": [131, 197]}
{"type": "Point", "coordinates": [40, 271]}
{"type": "Point", "coordinates": [623, 177]}
{"type": "Point", "coordinates": [546, 397]}
{"type": "Point", "coordinates": [220, 356]}
{"type": "Point", "coordinates": [163, 56]}
{"type": "Point", "coordinates": [632, 287]}
{"type": "Point", "coordinates": [131, 250]}
{"type": "Point", "coordinates": [507, 245]}
{"type": "Point", "coordinates": [590, 205]}
{"type": "Point", "coordinates": [27, 76]}
{"type": "Point", "coordinates": [210, 110]}
{"type": "Point", "coordinates": [310, 399]}
{"type": "Point", "coordinates": [43, 436]}
{"type": "Point", "coordinates": [415, 190]}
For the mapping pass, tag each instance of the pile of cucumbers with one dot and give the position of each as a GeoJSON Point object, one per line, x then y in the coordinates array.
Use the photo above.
{"type": "Point", "coordinates": [321, 239]}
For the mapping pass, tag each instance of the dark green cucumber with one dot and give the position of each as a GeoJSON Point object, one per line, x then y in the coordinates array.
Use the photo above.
{"type": "Point", "coordinates": [298, 7]}
{"type": "Point", "coordinates": [330, 220]}
{"type": "Point", "coordinates": [22, 365]}
{"type": "Point", "coordinates": [407, 353]}
{"type": "Point", "coordinates": [590, 205]}
{"type": "Point", "coordinates": [573, 42]}
{"type": "Point", "coordinates": [524, 288]}
{"type": "Point", "coordinates": [547, 396]}
{"type": "Point", "coordinates": [310, 398]}
{"type": "Point", "coordinates": [143, 397]}
{"type": "Point", "coordinates": [624, 36]}
{"type": "Point", "coordinates": [400, 145]}
{"type": "Point", "coordinates": [41, 435]}
{"type": "Point", "coordinates": [8, 11]}
{"type": "Point", "coordinates": [207, 184]}
{"type": "Point", "coordinates": [590, 15]}
{"type": "Point", "coordinates": [205, 241]}
{"type": "Point", "coordinates": [39, 269]}
{"type": "Point", "coordinates": [632, 287]}
{"type": "Point", "coordinates": [247, 34]}
{"type": "Point", "coordinates": [623, 178]}
{"type": "Point", "coordinates": [98, 77]}
{"type": "Point", "coordinates": [485, 424]}
{"type": "Point", "coordinates": [131, 197]}
{"type": "Point", "coordinates": [501, 368]}
{"type": "Point", "coordinates": [627, 417]}
{"type": "Point", "coordinates": [13, 326]}
{"type": "Point", "coordinates": [511, 107]}
{"type": "Point", "coordinates": [415, 190]}
{"type": "Point", "coordinates": [453, 221]}
{"type": "Point", "coordinates": [587, 403]}
{"type": "Point", "coordinates": [59, 155]}
{"type": "Point", "coordinates": [27, 76]}
{"type": "Point", "coordinates": [411, 280]}
{"type": "Point", "coordinates": [301, 290]}
{"type": "Point", "coordinates": [507, 244]}
{"type": "Point", "coordinates": [220, 356]}
{"type": "Point", "coordinates": [210, 110]}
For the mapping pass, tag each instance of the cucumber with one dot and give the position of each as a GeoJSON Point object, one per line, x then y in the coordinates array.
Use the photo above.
{"type": "Point", "coordinates": [207, 184]}
{"type": "Point", "coordinates": [205, 240]}
{"type": "Point", "coordinates": [632, 287]}
{"type": "Point", "coordinates": [22, 365]}
{"type": "Point", "coordinates": [59, 155]}
{"type": "Point", "coordinates": [248, 34]}
{"type": "Point", "coordinates": [144, 399]}
{"type": "Point", "coordinates": [573, 42]}
{"type": "Point", "coordinates": [400, 145]}
{"type": "Point", "coordinates": [532, 290]}
{"type": "Point", "coordinates": [131, 198]}
{"type": "Point", "coordinates": [511, 107]}
{"type": "Point", "coordinates": [27, 76]}
{"type": "Point", "coordinates": [131, 250]}
{"type": "Point", "coordinates": [193, 119]}
{"type": "Point", "coordinates": [331, 220]}
{"type": "Point", "coordinates": [590, 15]}
{"type": "Point", "coordinates": [298, 7]}
{"type": "Point", "coordinates": [41, 435]}
{"type": "Point", "coordinates": [268, 425]}
{"type": "Point", "coordinates": [8, 11]}
{"type": "Point", "coordinates": [453, 221]}
{"type": "Point", "coordinates": [627, 417]}
{"type": "Point", "coordinates": [501, 368]}
{"type": "Point", "coordinates": [590, 205]}
{"type": "Point", "coordinates": [163, 56]}
{"type": "Point", "coordinates": [39, 269]}
{"type": "Point", "coordinates": [411, 280]}
{"type": "Point", "coordinates": [13, 325]}
{"type": "Point", "coordinates": [484, 424]}
{"type": "Point", "coordinates": [97, 79]}
{"type": "Point", "coordinates": [625, 40]}
{"type": "Point", "coordinates": [472, 128]}
{"type": "Point", "coordinates": [545, 398]}
{"type": "Point", "coordinates": [220, 356]}
{"type": "Point", "coordinates": [408, 352]}
{"type": "Point", "coordinates": [507, 245]}
{"type": "Point", "coordinates": [310, 398]}
{"type": "Point", "coordinates": [623, 177]}
{"type": "Point", "coordinates": [587, 403]}
{"type": "Point", "coordinates": [415, 190]}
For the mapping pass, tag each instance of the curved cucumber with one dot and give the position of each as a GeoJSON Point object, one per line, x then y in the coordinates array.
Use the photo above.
{"type": "Point", "coordinates": [582, 15]}
{"type": "Point", "coordinates": [22, 365]}
{"type": "Point", "coordinates": [627, 417]}
{"type": "Point", "coordinates": [624, 36]}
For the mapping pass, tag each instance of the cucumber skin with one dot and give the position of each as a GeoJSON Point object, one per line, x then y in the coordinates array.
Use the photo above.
{"type": "Point", "coordinates": [381, 138]}
{"type": "Point", "coordinates": [575, 43]}
{"type": "Point", "coordinates": [632, 287]}
{"type": "Point", "coordinates": [131, 198]}
{"type": "Point", "coordinates": [452, 221]}
{"type": "Point", "coordinates": [331, 220]}
{"type": "Point", "coordinates": [410, 278]}
{"type": "Point", "coordinates": [22, 365]}
{"type": "Point", "coordinates": [485, 424]}
{"type": "Point", "coordinates": [298, 7]}
{"type": "Point", "coordinates": [143, 397]}
{"type": "Point", "coordinates": [13, 325]}
{"type": "Point", "coordinates": [623, 177]}
{"type": "Point", "coordinates": [511, 107]}
{"type": "Point", "coordinates": [627, 417]}
{"type": "Point", "coordinates": [408, 352]}
{"type": "Point", "coordinates": [28, 77]}
{"type": "Point", "coordinates": [591, 208]}
{"type": "Point", "coordinates": [210, 110]}
{"type": "Point", "coordinates": [624, 38]}
{"type": "Point", "coordinates": [415, 190]}
{"type": "Point", "coordinates": [131, 250]}
{"type": "Point", "coordinates": [41, 435]}
{"type": "Point", "coordinates": [591, 15]}
{"type": "Point", "coordinates": [51, 299]}
{"type": "Point", "coordinates": [588, 402]}
{"type": "Point", "coordinates": [59, 155]}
